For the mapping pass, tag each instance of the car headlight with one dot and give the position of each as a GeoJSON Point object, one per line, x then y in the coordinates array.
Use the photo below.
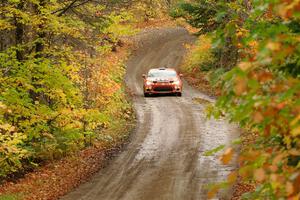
{"type": "Point", "coordinates": [176, 82]}
{"type": "Point", "coordinates": [148, 82]}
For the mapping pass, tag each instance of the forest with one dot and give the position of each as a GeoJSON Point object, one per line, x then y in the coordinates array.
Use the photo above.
{"type": "Point", "coordinates": [62, 81]}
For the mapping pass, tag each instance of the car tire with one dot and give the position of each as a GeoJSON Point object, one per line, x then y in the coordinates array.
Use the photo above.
{"type": "Point", "coordinates": [146, 95]}
{"type": "Point", "coordinates": [179, 94]}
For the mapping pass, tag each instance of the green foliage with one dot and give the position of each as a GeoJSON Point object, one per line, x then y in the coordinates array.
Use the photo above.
{"type": "Point", "coordinates": [10, 197]}
{"type": "Point", "coordinates": [215, 150]}
{"type": "Point", "coordinates": [204, 14]}
{"type": "Point", "coordinates": [13, 150]}
{"type": "Point", "coordinates": [211, 16]}
{"type": "Point", "coordinates": [116, 29]}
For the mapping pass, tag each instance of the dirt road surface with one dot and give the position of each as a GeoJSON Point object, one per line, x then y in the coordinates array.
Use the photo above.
{"type": "Point", "coordinates": [164, 160]}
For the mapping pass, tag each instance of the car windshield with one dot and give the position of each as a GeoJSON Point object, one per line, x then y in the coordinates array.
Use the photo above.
{"type": "Point", "coordinates": [162, 73]}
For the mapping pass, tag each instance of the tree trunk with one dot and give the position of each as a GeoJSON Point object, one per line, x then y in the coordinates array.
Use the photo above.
{"type": "Point", "coordinates": [19, 34]}
{"type": "Point", "coordinates": [39, 46]}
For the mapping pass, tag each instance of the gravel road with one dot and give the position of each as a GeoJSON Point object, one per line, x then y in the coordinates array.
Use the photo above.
{"type": "Point", "coordinates": [164, 160]}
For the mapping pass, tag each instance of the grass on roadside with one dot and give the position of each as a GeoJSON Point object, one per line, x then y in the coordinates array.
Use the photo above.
{"type": "Point", "coordinates": [10, 197]}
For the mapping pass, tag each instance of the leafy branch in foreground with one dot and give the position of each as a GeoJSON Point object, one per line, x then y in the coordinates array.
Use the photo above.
{"type": "Point", "coordinates": [261, 87]}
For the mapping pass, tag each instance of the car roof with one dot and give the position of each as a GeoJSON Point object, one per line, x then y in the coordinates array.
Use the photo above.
{"type": "Point", "coordinates": [162, 69]}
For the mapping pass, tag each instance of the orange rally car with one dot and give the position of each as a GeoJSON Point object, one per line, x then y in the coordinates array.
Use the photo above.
{"type": "Point", "coordinates": [162, 81]}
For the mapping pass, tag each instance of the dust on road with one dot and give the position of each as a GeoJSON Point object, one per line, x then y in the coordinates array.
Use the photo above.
{"type": "Point", "coordinates": [164, 160]}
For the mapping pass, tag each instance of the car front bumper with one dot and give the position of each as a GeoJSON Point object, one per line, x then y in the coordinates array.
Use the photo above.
{"type": "Point", "coordinates": [162, 89]}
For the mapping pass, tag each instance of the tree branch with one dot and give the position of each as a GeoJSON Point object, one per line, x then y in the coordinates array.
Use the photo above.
{"type": "Point", "coordinates": [70, 6]}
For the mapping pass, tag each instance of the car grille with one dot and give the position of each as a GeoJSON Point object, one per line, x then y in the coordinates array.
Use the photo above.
{"type": "Point", "coordinates": [163, 89]}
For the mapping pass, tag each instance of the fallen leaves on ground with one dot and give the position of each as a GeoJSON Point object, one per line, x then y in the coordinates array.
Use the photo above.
{"type": "Point", "coordinates": [199, 81]}
{"type": "Point", "coordinates": [57, 178]}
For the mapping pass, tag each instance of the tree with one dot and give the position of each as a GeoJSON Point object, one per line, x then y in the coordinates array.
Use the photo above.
{"type": "Point", "coordinates": [50, 51]}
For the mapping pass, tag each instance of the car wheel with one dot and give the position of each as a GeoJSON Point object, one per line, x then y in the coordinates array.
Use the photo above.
{"type": "Point", "coordinates": [179, 94]}
{"type": "Point", "coordinates": [146, 94]}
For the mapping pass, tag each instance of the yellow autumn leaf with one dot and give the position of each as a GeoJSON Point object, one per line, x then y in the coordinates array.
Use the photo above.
{"type": "Point", "coordinates": [274, 46]}
{"type": "Point", "coordinates": [212, 192]}
{"type": "Point", "coordinates": [295, 121]}
{"type": "Point", "coordinates": [273, 168]}
{"type": "Point", "coordinates": [232, 177]}
{"type": "Point", "coordinates": [259, 175]}
{"type": "Point", "coordinates": [245, 66]}
{"type": "Point", "coordinates": [278, 159]}
{"type": "Point", "coordinates": [296, 197]}
{"type": "Point", "coordinates": [294, 152]}
{"type": "Point", "coordinates": [239, 34]}
{"type": "Point", "coordinates": [227, 156]}
{"type": "Point", "coordinates": [295, 131]}
{"type": "Point", "coordinates": [289, 188]}
{"type": "Point", "coordinates": [240, 85]}
{"type": "Point", "coordinates": [2, 105]}
{"type": "Point", "coordinates": [258, 117]}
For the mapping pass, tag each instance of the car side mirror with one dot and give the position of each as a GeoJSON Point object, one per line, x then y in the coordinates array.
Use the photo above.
{"type": "Point", "coordinates": [180, 75]}
{"type": "Point", "coordinates": [144, 76]}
